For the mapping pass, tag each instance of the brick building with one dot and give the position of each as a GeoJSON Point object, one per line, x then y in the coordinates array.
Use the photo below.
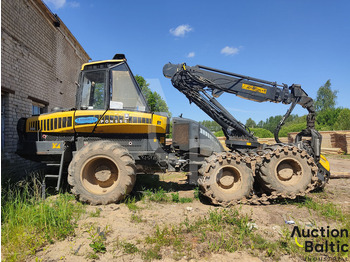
{"type": "Point", "coordinates": [40, 62]}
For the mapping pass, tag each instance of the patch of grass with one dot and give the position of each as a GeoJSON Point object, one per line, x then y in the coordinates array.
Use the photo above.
{"type": "Point", "coordinates": [158, 195]}
{"type": "Point", "coordinates": [196, 193]}
{"type": "Point", "coordinates": [152, 253]}
{"type": "Point", "coordinates": [129, 248]}
{"type": "Point", "coordinates": [28, 223]}
{"type": "Point", "coordinates": [136, 218]}
{"type": "Point", "coordinates": [229, 230]}
{"type": "Point", "coordinates": [95, 213]}
{"type": "Point", "coordinates": [177, 199]}
{"type": "Point", "coordinates": [327, 210]}
{"type": "Point", "coordinates": [130, 202]}
{"type": "Point", "coordinates": [221, 230]}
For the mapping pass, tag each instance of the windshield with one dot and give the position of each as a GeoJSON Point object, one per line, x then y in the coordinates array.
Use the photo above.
{"type": "Point", "coordinates": [93, 93]}
{"type": "Point", "coordinates": [125, 93]}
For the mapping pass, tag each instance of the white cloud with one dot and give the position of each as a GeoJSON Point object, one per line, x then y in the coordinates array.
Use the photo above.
{"type": "Point", "coordinates": [74, 4]}
{"type": "Point", "coordinates": [56, 3]}
{"type": "Point", "coordinates": [229, 50]}
{"type": "Point", "coordinates": [191, 54]}
{"type": "Point", "coordinates": [181, 30]}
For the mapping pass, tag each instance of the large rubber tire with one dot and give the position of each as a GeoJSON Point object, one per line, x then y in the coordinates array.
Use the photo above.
{"type": "Point", "coordinates": [225, 179]}
{"type": "Point", "coordinates": [102, 172]}
{"type": "Point", "coordinates": [289, 170]}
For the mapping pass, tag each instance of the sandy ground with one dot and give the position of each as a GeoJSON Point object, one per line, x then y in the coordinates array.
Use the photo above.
{"type": "Point", "coordinates": [116, 221]}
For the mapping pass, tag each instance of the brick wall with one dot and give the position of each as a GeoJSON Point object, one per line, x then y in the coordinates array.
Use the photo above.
{"type": "Point", "coordinates": [39, 64]}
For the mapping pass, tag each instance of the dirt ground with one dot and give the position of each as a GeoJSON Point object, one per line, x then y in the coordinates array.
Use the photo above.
{"type": "Point", "coordinates": [116, 221]}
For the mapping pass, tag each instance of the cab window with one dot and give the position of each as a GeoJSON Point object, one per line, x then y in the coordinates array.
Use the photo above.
{"type": "Point", "coordinates": [124, 92]}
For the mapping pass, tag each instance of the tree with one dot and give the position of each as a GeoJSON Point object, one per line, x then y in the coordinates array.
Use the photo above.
{"type": "Point", "coordinates": [327, 118]}
{"type": "Point", "coordinates": [326, 97]}
{"type": "Point", "coordinates": [343, 120]}
{"type": "Point", "coordinates": [146, 91]}
{"type": "Point", "coordinates": [154, 101]}
{"type": "Point", "coordinates": [250, 123]}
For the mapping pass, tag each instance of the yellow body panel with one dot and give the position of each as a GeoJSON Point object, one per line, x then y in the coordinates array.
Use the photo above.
{"type": "Point", "coordinates": [112, 122]}
{"type": "Point", "coordinates": [61, 122]}
{"type": "Point", "coordinates": [324, 162]}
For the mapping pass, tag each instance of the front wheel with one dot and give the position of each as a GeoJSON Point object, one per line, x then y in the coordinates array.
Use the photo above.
{"type": "Point", "coordinates": [102, 172]}
{"type": "Point", "coordinates": [289, 170]}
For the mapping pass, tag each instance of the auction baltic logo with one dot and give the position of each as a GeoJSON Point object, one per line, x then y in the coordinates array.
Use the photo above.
{"type": "Point", "coordinates": [327, 246]}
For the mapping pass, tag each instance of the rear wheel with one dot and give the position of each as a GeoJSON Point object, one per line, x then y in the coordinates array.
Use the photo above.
{"type": "Point", "coordinates": [102, 172]}
{"type": "Point", "coordinates": [289, 170]}
{"type": "Point", "coordinates": [225, 179]}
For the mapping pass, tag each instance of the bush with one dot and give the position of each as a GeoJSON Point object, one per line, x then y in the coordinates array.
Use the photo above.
{"type": "Point", "coordinates": [261, 132]}
{"type": "Point", "coordinates": [291, 127]}
{"type": "Point", "coordinates": [327, 117]}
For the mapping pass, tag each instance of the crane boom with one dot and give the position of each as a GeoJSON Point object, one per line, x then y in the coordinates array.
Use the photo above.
{"type": "Point", "coordinates": [202, 85]}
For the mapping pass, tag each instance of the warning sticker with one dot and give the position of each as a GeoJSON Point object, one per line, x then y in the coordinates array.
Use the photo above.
{"type": "Point", "coordinates": [254, 88]}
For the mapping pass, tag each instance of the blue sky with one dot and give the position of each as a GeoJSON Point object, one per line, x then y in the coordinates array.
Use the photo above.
{"type": "Point", "coordinates": [301, 42]}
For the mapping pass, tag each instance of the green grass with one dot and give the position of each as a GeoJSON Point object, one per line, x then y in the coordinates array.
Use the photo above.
{"type": "Point", "coordinates": [28, 223]}
{"type": "Point", "coordinates": [130, 202]}
{"type": "Point", "coordinates": [327, 210]}
{"type": "Point", "coordinates": [129, 248]}
{"type": "Point", "coordinates": [177, 199]}
{"type": "Point", "coordinates": [159, 195]}
{"type": "Point", "coordinates": [95, 213]}
{"type": "Point", "coordinates": [136, 218]}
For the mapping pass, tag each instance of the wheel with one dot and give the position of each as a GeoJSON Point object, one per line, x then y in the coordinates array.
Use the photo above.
{"type": "Point", "coordinates": [289, 170]}
{"type": "Point", "coordinates": [225, 179]}
{"type": "Point", "coordinates": [102, 172]}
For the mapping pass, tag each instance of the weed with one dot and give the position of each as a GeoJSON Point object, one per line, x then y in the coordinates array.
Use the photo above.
{"type": "Point", "coordinates": [97, 213]}
{"type": "Point", "coordinates": [196, 193]}
{"type": "Point", "coordinates": [129, 248]}
{"type": "Point", "coordinates": [98, 239]}
{"type": "Point", "coordinates": [136, 218]}
{"type": "Point", "coordinates": [92, 255]}
{"type": "Point", "coordinates": [152, 253]}
{"type": "Point", "coordinates": [130, 202]}
{"type": "Point", "coordinates": [175, 197]}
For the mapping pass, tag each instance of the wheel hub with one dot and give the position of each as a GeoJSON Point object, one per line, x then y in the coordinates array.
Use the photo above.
{"type": "Point", "coordinates": [289, 171]}
{"type": "Point", "coordinates": [226, 181]}
{"type": "Point", "coordinates": [103, 173]}
{"type": "Point", "coordinates": [285, 171]}
{"type": "Point", "coordinates": [229, 178]}
{"type": "Point", "coordinates": [100, 175]}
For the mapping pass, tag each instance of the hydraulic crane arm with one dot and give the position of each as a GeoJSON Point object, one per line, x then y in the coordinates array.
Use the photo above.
{"type": "Point", "coordinates": [202, 84]}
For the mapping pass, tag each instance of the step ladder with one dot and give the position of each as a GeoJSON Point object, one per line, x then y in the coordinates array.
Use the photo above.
{"type": "Point", "coordinates": [58, 176]}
